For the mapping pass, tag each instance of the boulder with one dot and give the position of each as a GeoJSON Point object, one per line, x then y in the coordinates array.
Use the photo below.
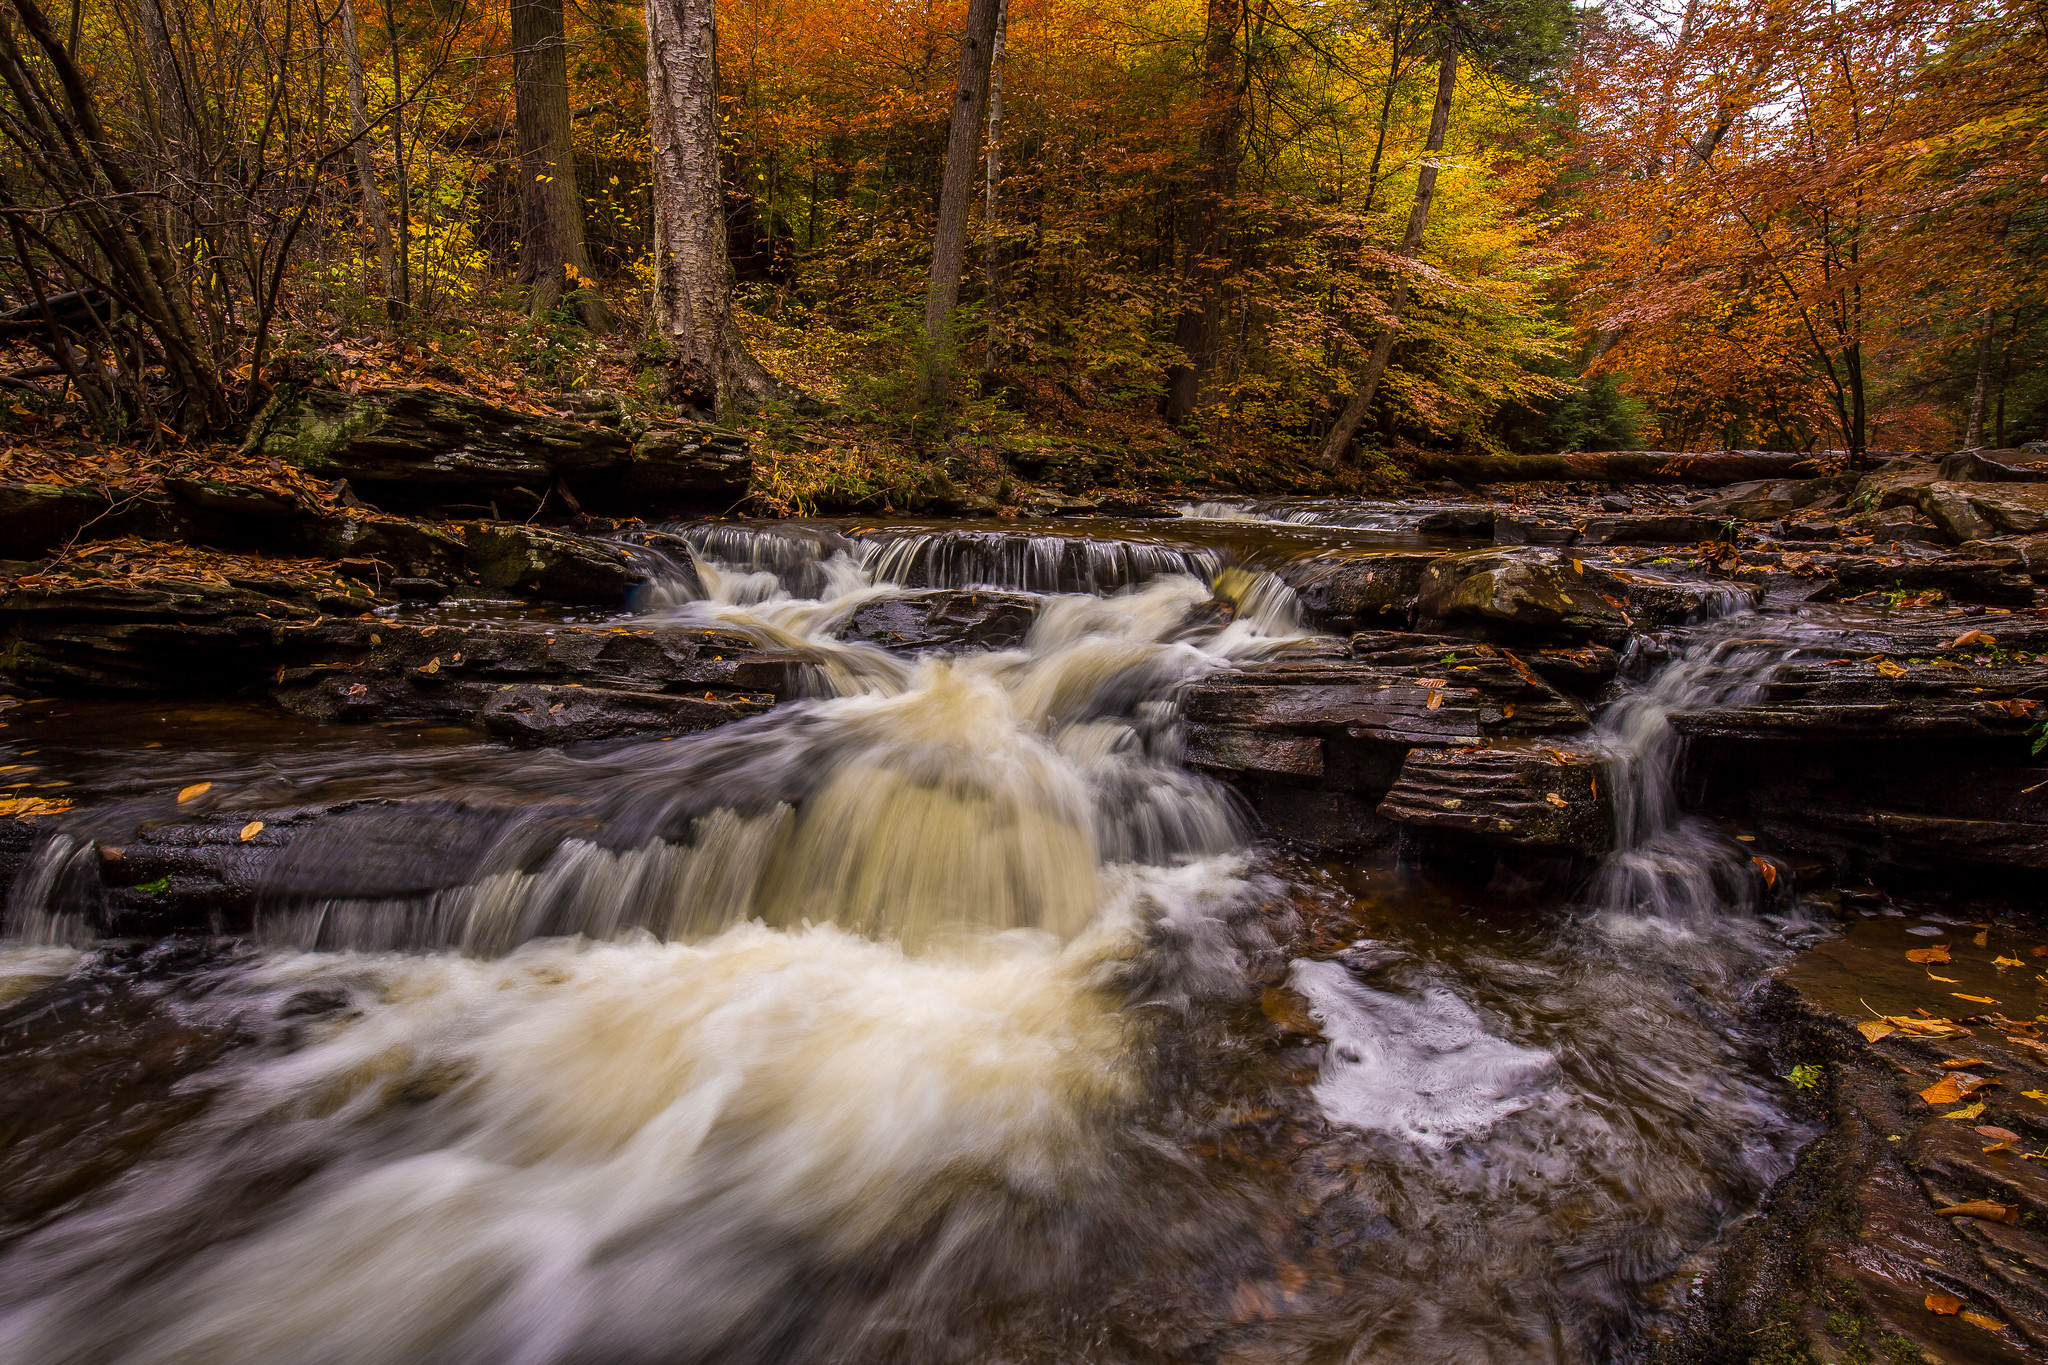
{"type": "Point", "coordinates": [557, 566]}
{"type": "Point", "coordinates": [1521, 592]}
{"type": "Point", "coordinates": [1358, 594]}
{"type": "Point", "coordinates": [1534, 798]}
{"type": "Point", "coordinates": [1979, 466]}
{"type": "Point", "coordinates": [944, 619]}
{"type": "Point", "coordinates": [1974, 511]}
{"type": "Point", "coordinates": [1457, 521]}
{"type": "Point", "coordinates": [425, 448]}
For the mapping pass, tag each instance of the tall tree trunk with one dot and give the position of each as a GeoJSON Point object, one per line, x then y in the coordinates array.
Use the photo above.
{"type": "Point", "coordinates": [1379, 145]}
{"type": "Point", "coordinates": [956, 195]}
{"type": "Point", "coordinates": [1411, 242]}
{"type": "Point", "coordinates": [693, 274]}
{"type": "Point", "coordinates": [991, 262]}
{"type": "Point", "coordinates": [374, 208]}
{"type": "Point", "coordinates": [1202, 274]}
{"type": "Point", "coordinates": [550, 205]}
{"type": "Point", "coordinates": [1973, 434]}
{"type": "Point", "coordinates": [404, 254]}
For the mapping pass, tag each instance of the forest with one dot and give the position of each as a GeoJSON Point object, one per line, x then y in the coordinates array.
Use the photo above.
{"type": "Point", "coordinates": [1297, 239]}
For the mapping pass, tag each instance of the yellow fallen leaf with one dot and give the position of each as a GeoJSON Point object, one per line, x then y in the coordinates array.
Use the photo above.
{"type": "Point", "coordinates": [432, 665]}
{"type": "Point", "coordinates": [2041, 1095]}
{"type": "Point", "coordinates": [1999, 1147]}
{"type": "Point", "coordinates": [1890, 669]}
{"type": "Point", "coordinates": [1974, 999]}
{"type": "Point", "coordinates": [194, 792]}
{"type": "Point", "coordinates": [28, 807]}
{"type": "Point", "coordinates": [1944, 1305]}
{"type": "Point", "coordinates": [1979, 1320]}
{"type": "Point", "coordinates": [1952, 980]}
{"type": "Point", "coordinates": [1554, 799]}
{"type": "Point", "coordinates": [251, 830]}
{"type": "Point", "coordinates": [2007, 962]}
{"type": "Point", "coordinates": [1436, 700]}
{"type": "Point", "coordinates": [1968, 1111]}
{"type": "Point", "coordinates": [1872, 1030]}
{"type": "Point", "coordinates": [1938, 953]}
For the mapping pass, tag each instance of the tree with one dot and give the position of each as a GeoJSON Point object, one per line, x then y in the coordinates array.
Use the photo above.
{"type": "Point", "coordinates": [711, 367]}
{"type": "Point", "coordinates": [1348, 420]}
{"type": "Point", "coordinates": [552, 253]}
{"type": "Point", "coordinates": [1195, 325]}
{"type": "Point", "coordinates": [956, 195]}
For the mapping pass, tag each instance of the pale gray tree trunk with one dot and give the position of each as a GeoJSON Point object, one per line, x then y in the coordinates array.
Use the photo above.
{"type": "Point", "coordinates": [693, 274]}
{"type": "Point", "coordinates": [1411, 242]}
{"type": "Point", "coordinates": [374, 208]}
{"type": "Point", "coordinates": [956, 196]}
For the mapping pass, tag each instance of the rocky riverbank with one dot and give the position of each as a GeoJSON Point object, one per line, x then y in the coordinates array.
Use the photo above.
{"type": "Point", "coordinates": [1871, 681]}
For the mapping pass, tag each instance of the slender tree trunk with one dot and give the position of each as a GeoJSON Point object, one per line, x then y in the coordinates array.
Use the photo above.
{"type": "Point", "coordinates": [1973, 435]}
{"type": "Point", "coordinates": [956, 195]}
{"type": "Point", "coordinates": [1379, 146]}
{"type": "Point", "coordinates": [693, 272]}
{"type": "Point", "coordinates": [404, 253]}
{"type": "Point", "coordinates": [551, 245]}
{"type": "Point", "coordinates": [1411, 242]}
{"type": "Point", "coordinates": [374, 208]}
{"type": "Point", "coordinates": [991, 260]}
{"type": "Point", "coordinates": [1202, 275]}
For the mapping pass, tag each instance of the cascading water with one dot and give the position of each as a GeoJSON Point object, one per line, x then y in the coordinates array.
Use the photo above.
{"type": "Point", "coordinates": [907, 1022]}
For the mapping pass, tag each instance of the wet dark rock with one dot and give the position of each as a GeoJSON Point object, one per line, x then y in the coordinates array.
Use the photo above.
{"type": "Point", "coordinates": [1840, 1261]}
{"type": "Point", "coordinates": [1582, 671]}
{"type": "Point", "coordinates": [397, 546]}
{"type": "Point", "coordinates": [561, 715]}
{"type": "Point", "coordinates": [1670, 529]}
{"type": "Point", "coordinates": [1614, 502]}
{"type": "Point", "coordinates": [944, 618]}
{"type": "Point", "coordinates": [421, 448]}
{"type": "Point", "coordinates": [1458, 521]}
{"type": "Point", "coordinates": [649, 679]}
{"type": "Point", "coordinates": [1959, 578]}
{"type": "Point", "coordinates": [553, 565]}
{"type": "Point", "coordinates": [417, 589]}
{"type": "Point", "coordinates": [72, 634]}
{"type": "Point", "coordinates": [1537, 594]}
{"type": "Point", "coordinates": [1903, 526]}
{"type": "Point", "coordinates": [1359, 594]}
{"type": "Point", "coordinates": [1994, 466]}
{"type": "Point", "coordinates": [1317, 736]}
{"type": "Point", "coordinates": [1525, 530]}
{"type": "Point", "coordinates": [1975, 511]}
{"type": "Point", "coordinates": [1521, 798]}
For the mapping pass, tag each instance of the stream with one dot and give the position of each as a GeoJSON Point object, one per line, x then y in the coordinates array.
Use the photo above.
{"type": "Point", "coordinates": [943, 1014]}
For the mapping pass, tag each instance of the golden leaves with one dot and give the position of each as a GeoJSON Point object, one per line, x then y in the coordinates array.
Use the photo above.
{"type": "Point", "coordinates": [1923, 956]}
{"type": "Point", "coordinates": [1943, 1304]}
{"type": "Point", "coordinates": [1872, 1030]}
{"type": "Point", "coordinates": [1890, 669]}
{"type": "Point", "coordinates": [251, 830]}
{"type": "Point", "coordinates": [28, 807]}
{"type": "Point", "coordinates": [194, 792]}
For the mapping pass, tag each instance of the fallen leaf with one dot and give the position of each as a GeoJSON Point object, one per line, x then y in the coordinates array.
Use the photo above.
{"type": "Point", "coordinates": [1938, 953]}
{"type": "Point", "coordinates": [28, 807]}
{"type": "Point", "coordinates": [1979, 1320]}
{"type": "Point", "coordinates": [194, 792]}
{"type": "Point", "coordinates": [1943, 1091]}
{"type": "Point", "coordinates": [1999, 1147]}
{"type": "Point", "coordinates": [1507, 712]}
{"type": "Point", "coordinates": [1968, 1111]}
{"type": "Point", "coordinates": [1954, 1063]}
{"type": "Point", "coordinates": [1943, 1304]}
{"type": "Point", "coordinates": [1436, 700]}
{"type": "Point", "coordinates": [1998, 1134]}
{"type": "Point", "coordinates": [1890, 669]}
{"type": "Point", "coordinates": [251, 830]}
{"type": "Point", "coordinates": [2041, 1095]}
{"type": "Point", "coordinates": [1554, 799]}
{"type": "Point", "coordinates": [1971, 637]}
{"type": "Point", "coordinates": [1981, 1208]}
{"type": "Point", "coordinates": [1431, 682]}
{"type": "Point", "coordinates": [1769, 870]}
{"type": "Point", "coordinates": [1983, 939]}
{"type": "Point", "coordinates": [2007, 962]}
{"type": "Point", "coordinates": [1872, 1030]}
{"type": "Point", "coordinates": [1974, 999]}
{"type": "Point", "coordinates": [1952, 980]}
{"type": "Point", "coordinates": [432, 665]}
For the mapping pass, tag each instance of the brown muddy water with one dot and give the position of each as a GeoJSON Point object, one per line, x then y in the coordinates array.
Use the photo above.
{"type": "Point", "coordinates": [944, 1015]}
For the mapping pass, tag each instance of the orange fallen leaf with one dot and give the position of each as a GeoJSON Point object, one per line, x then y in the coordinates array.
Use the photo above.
{"type": "Point", "coordinates": [1944, 1305]}
{"type": "Point", "coordinates": [1507, 712]}
{"type": "Point", "coordinates": [1974, 999]}
{"type": "Point", "coordinates": [1436, 700]}
{"type": "Point", "coordinates": [1981, 1208]}
{"type": "Point", "coordinates": [1952, 980]}
{"type": "Point", "coordinates": [1938, 953]}
{"type": "Point", "coordinates": [2003, 961]}
{"type": "Point", "coordinates": [1943, 1091]}
{"type": "Point", "coordinates": [1872, 1030]}
{"type": "Point", "coordinates": [1554, 799]}
{"type": "Point", "coordinates": [432, 665]}
{"type": "Point", "coordinates": [251, 830]}
{"type": "Point", "coordinates": [1998, 1134]}
{"type": "Point", "coordinates": [1769, 870]}
{"type": "Point", "coordinates": [1979, 1320]}
{"type": "Point", "coordinates": [194, 792]}
{"type": "Point", "coordinates": [1890, 669]}
{"type": "Point", "coordinates": [1956, 1063]}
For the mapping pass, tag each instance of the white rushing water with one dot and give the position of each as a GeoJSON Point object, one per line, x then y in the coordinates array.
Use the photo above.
{"type": "Point", "coordinates": [904, 1023]}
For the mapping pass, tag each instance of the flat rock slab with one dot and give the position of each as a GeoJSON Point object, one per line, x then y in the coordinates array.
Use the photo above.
{"type": "Point", "coordinates": [1531, 798]}
{"type": "Point", "coordinates": [944, 619]}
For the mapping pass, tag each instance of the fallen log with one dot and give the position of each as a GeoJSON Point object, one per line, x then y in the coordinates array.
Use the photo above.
{"type": "Point", "coordinates": [1630, 466]}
